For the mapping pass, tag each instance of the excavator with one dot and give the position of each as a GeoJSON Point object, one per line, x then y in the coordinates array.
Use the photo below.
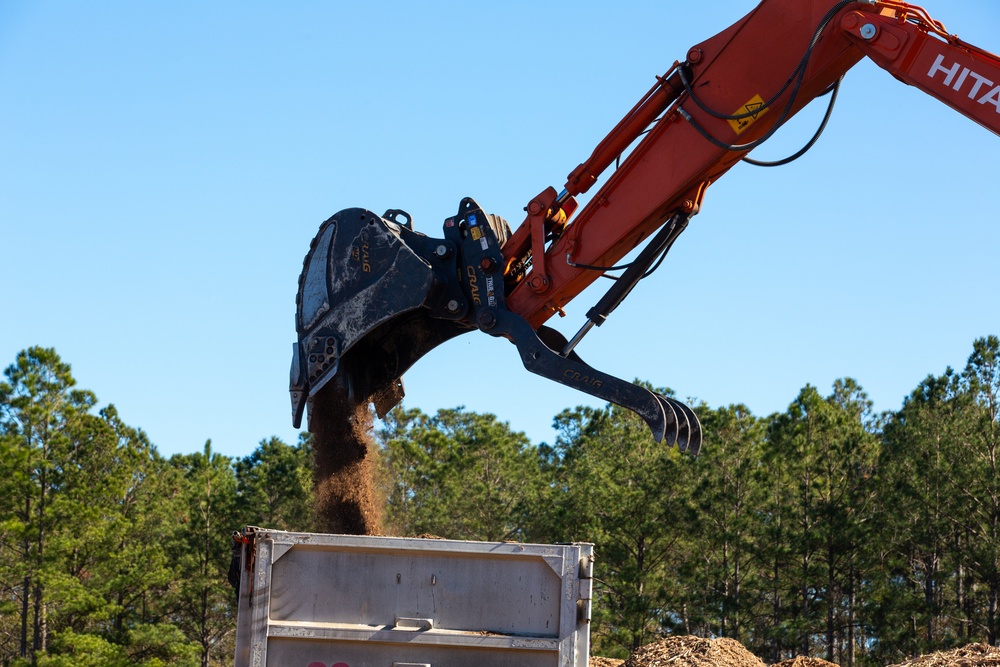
{"type": "Point", "coordinates": [375, 295]}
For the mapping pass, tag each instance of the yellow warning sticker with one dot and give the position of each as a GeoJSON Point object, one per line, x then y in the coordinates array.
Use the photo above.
{"type": "Point", "coordinates": [755, 107]}
{"type": "Point", "coordinates": [476, 233]}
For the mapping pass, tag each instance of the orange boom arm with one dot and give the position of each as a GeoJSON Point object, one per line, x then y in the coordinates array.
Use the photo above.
{"type": "Point", "coordinates": [705, 114]}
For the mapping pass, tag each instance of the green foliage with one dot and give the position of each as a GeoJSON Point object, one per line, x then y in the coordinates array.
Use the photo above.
{"type": "Point", "coordinates": [629, 495]}
{"type": "Point", "coordinates": [458, 474]}
{"type": "Point", "coordinates": [43, 421]}
{"type": "Point", "coordinates": [201, 550]}
{"type": "Point", "coordinates": [145, 646]}
{"type": "Point", "coordinates": [89, 531]}
{"type": "Point", "coordinates": [274, 486]}
{"type": "Point", "coordinates": [819, 459]}
{"type": "Point", "coordinates": [727, 497]}
{"type": "Point", "coordinates": [822, 530]}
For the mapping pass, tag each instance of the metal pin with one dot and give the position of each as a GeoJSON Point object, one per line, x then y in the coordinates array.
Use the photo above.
{"type": "Point", "coordinates": [577, 338]}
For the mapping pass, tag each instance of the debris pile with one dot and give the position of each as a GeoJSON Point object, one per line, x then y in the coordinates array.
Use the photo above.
{"type": "Point", "coordinates": [973, 655]}
{"type": "Point", "coordinates": [802, 661]}
{"type": "Point", "coordinates": [605, 662]}
{"type": "Point", "coordinates": [688, 651]}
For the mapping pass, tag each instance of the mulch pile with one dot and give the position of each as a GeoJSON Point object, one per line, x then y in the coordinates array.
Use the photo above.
{"type": "Point", "coordinates": [696, 652]}
{"type": "Point", "coordinates": [801, 661]}
{"type": "Point", "coordinates": [693, 652]}
{"type": "Point", "coordinates": [973, 655]}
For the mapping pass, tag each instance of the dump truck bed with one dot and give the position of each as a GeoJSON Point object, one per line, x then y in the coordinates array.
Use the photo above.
{"type": "Point", "coordinates": [309, 599]}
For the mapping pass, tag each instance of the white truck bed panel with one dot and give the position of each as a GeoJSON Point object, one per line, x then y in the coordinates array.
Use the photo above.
{"type": "Point", "coordinates": [311, 600]}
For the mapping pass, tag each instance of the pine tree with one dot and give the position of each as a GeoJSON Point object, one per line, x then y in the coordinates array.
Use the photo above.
{"type": "Point", "coordinates": [459, 474]}
{"type": "Point", "coordinates": [727, 498]}
{"type": "Point", "coordinates": [274, 486]}
{"type": "Point", "coordinates": [201, 551]}
{"type": "Point", "coordinates": [629, 495]}
{"type": "Point", "coordinates": [39, 408]}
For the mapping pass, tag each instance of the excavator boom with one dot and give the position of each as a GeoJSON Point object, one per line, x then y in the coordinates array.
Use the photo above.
{"type": "Point", "coordinates": [375, 295]}
{"type": "Point", "coordinates": [731, 93]}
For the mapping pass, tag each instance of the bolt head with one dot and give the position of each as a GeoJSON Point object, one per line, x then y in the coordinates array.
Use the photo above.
{"type": "Point", "coordinates": [868, 31]}
{"type": "Point", "coordinates": [487, 320]}
{"type": "Point", "coordinates": [538, 284]}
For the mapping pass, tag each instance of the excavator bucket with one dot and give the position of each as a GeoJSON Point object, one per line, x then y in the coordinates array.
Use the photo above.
{"type": "Point", "coordinates": [373, 298]}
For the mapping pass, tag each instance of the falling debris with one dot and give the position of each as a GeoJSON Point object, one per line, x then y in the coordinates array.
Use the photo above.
{"type": "Point", "coordinates": [346, 464]}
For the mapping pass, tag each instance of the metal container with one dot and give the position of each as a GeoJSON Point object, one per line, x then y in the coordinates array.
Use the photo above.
{"type": "Point", "coordinates": [311, 600]}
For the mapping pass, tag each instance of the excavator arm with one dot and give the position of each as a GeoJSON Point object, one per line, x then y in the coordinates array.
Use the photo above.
{"type": "Point", "coordinates": [375, 295]}
{"type": "Point", "coordinates": [703, 116]}
{"type": "Point", "coordinates": [905, 41]}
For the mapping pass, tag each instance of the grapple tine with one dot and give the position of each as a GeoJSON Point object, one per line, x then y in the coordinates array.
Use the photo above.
{"type": "Point", "coordinates": [683, 428]}
{"type": "Point", "coordinates": [692, 441]}
{"type": "Point", "coordinates": [694, 445]}
{"type": "Point", "coordinates": [677, 430]}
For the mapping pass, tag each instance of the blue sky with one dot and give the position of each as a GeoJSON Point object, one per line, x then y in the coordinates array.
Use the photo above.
{"type": "Point", "coordinates": [163, 168]}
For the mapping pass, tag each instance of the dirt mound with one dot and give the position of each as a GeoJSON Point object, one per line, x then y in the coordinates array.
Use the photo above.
{"type": "Point", "coordinates": [346, 464]}
{"type": "Point", "coordinates": [973, 655]}
{"type": "Point", "coordinates": [693, 652]}
{"type": "Point", "coordinates": [605, 662]}
{"type": "Point", "coordinates": [805, 662]}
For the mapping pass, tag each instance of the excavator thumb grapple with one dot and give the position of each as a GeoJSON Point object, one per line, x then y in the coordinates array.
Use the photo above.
{"type": "Point", "coordinates": [375, 296]}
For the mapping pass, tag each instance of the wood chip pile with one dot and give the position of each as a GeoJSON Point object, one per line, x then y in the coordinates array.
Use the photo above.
{"type": "Point", "coordinates": [693, 652]}
{"type": "Point", "coordinates": [605, 662]}
{"type": "Point", "coordinates": [804, 662]}
{"type": "Point", "coordinates": [973, 655]}
{"type": "Point", "coordinates": [696, 652]}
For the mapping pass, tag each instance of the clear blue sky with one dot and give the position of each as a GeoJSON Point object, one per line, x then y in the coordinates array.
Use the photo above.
{"type": "Point", "coordinates": [164, 166]}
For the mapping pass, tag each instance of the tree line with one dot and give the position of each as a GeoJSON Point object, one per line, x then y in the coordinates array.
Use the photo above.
{"type": "Point", "coordinates": [825, 530]}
